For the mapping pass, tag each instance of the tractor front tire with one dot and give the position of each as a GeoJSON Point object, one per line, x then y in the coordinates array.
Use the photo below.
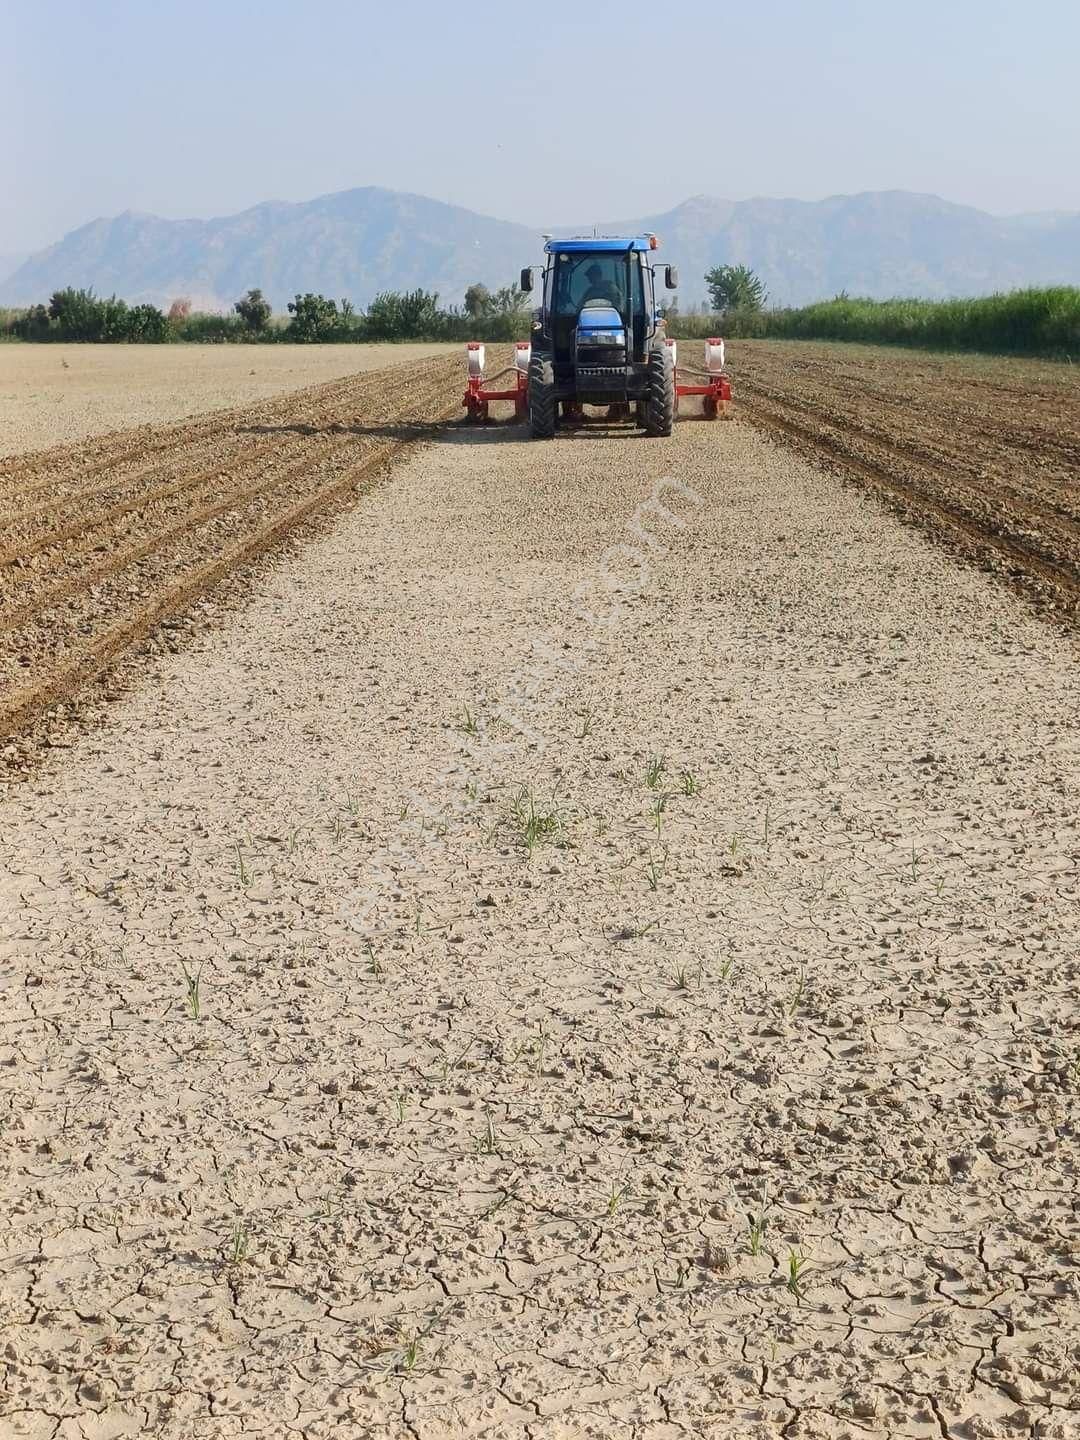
{"type": "Point", "coordinates": [660, 400]}
{"type": "Point", "coordinates": [542, 405]}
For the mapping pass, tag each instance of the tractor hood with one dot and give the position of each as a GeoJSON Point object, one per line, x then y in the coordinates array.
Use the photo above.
{"type": "Point", "coordinates": [600, 317]}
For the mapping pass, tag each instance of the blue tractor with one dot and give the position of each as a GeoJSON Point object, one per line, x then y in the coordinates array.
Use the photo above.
{"type": "Point", "coordinates": [597, 338]}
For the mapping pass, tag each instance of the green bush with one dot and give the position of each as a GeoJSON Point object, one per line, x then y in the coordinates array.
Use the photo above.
{"type": "Point", "coordinates": [30, 324]}
{"type": "Point", "coordinates": [254, 310]}
{"type": "Point", "coordinates": [411, 315]}
{"type": "Point", "coordinates": [1021, 322]}
{"type": "Point", "coordinates": [146, 325]}
{"type": "Point", "coordinates": [496, 326]}
{"type": "Point", "coordinates": [317, 319]}
{"type": "Point", "coordinates": [212, 329]}
{"type": "Point", "coordinates": [735, 287]}
{"type": "Point", "coordinates": [80, 316]}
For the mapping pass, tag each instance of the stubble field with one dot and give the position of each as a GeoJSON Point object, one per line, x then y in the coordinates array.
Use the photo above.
{"type": "Point", "coordinates": [588, 949]}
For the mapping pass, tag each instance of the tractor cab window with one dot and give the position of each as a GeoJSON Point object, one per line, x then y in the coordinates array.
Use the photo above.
{"type": "Point", "coordinates": [597, 279]}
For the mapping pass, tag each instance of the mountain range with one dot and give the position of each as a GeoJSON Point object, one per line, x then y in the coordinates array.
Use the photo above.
{"type": "Point", "coordinates": [10, 260]}
{"type": "Point", "coordinates": [358, 242]}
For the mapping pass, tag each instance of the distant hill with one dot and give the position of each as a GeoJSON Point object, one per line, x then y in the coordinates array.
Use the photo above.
{"type": "Point", "coordinates": [878, 244]}
{"type": "Point", "coordinates": [10, 262]}
{"type": "Point", "coordinates": [352, 245]}
{"type": "Point", "coordinates": [358, 242]}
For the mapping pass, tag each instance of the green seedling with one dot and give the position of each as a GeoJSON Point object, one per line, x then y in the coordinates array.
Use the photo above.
{"type": "Point", "coordinates": [766, 826]}
{"type": "Point", "coordinates": [410, 1351]}
{"type": "Point", "coordinates": [409, 1355]}
{"type": "Point", "coordinates": [690, 785]}
{"type": "Point", "coordinates": [242, 871]}
{"type": "Point", "coordinates": [654, 771]}
{"type": "Point", "coordinates": [192, 989]}
{"type": "Point", "coordinates": [796, 1264]}
{"type": "Point", "coordinates": [399, 1109]}
{"type": "Point", "coordinates": [472, 790]}
{"type": "Point", "coordinates": [375, 966]}
{"type": "Point", "coordinates": [759, 1223]}
{"type": "Point", "coordinates": [633, 931]}
{"type": "Point", "coordinates": [467, 723]}
{"type": "Point", "coordinates": [541, 1048]}
{"type": "Point", "coordinates": [726, 967]}
{"type": "Point", "coordinates": [660, 804]}
{"type": "Point", "coordinates": [616, 1196]}
{"type": "Point", "coordinates": [488, 1142]}
{"type": "Point", "coordinates": [450, 1065]}
{"type": "Point", "coordinates": [587, 718]}
{"type": "Point", "coordinates": [496, 1205]}
{"type": "Point", "coordinates": [537, 825]}
{"type": "Point", "coordinates": [797, 995]}
{"type": "Point", "coordinates": [238, 1246]}
{"type": "Point", "coordinates": [914, 865]}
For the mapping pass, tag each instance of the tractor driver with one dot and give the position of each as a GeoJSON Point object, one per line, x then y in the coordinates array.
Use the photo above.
{"type": "Point", "coordinates": [601, 287]}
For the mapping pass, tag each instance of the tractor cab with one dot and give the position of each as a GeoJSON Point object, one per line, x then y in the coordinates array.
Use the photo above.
{"type": "Point", "coordinates": [597, 332]}
{"type": "Point", "coordinates": [598, 297]}
{"type": "Point", "coordinates": [598, 339]}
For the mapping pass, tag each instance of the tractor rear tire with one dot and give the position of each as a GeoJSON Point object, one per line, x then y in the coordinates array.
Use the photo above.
{"type": "Point", "coordinates": [542, 404]}
{"type": "Point", "coordinates": [660, 399]}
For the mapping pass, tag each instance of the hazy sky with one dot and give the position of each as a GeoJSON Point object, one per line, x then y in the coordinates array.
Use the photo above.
{"type": "Point", "coordinates": [533, 112]}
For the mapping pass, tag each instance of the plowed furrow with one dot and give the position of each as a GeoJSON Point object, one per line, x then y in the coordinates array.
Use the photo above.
{"type": "Point", "coordinates": [98, 583]}
{"type": "Point", "coordinates": [110, 453]}
{"type": "Point", "coordinates": [35, 530]}
{"type": "Point", "coordinates": [1038, 496]}
{"type": "Point", "coordinates": [160, 532]}
{"type": "Point", "coordinates": [81, 579]}
{"type": "Point", "coordinates": [82, 663]}
{"type": "Point", "coordinates": [49, 537]}
{"type": "Point", "coordinates": [1046, 564]}
{"type": "Point", "coordinates": [288, 418]}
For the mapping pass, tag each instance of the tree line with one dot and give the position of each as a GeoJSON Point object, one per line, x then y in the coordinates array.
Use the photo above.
{"type": "Point", "coordinates": [1042, 321]}
{"type": "Point", "coordinates": [1037, 321]}
{"type": "Point", "coordinates": [80, 315]}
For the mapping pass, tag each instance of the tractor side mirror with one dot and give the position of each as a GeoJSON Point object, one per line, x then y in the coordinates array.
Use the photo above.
{"type": "Point", "coordinates": [671, 277]}
{"type": "Point", "coordinates": [527, 279]}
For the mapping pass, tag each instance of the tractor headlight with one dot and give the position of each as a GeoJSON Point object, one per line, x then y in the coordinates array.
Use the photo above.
{"type": "Point", "coordinates": [602, 337]}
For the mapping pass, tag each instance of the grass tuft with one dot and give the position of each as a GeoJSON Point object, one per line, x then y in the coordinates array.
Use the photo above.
{"type": "Point", "coordinates": [536, 824]}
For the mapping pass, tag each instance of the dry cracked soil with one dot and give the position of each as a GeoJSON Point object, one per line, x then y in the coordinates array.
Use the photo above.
{"type": "Point", "coordinates": [588, 949]}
